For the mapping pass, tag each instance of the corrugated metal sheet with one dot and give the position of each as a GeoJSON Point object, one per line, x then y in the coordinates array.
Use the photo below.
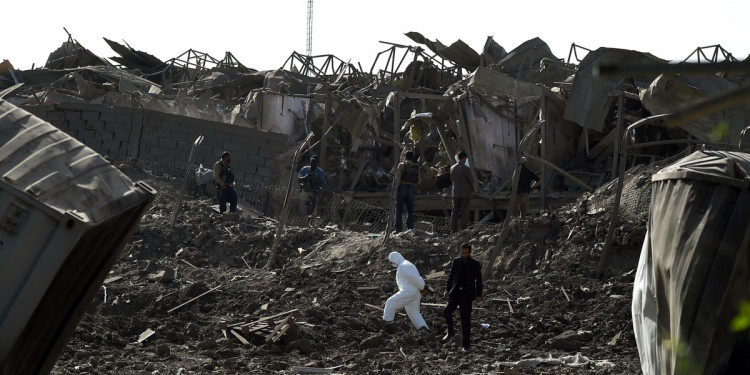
{"type": "Point", "coordinates": [56, 169]}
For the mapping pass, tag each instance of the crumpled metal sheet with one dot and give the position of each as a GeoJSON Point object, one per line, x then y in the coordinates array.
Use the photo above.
{"type": "Point", "coordinates": [458, 52]}
{"type": "Point", "coordinates": [669, 94]}
{"type": "Point", "coordinates": [491, 82]}
{"type": "Point", "coordinates": [134, 59]}
{"type": "Point", "coordinates": [590, 100]}
{"type": "Point", "coordinates": [73, 55]}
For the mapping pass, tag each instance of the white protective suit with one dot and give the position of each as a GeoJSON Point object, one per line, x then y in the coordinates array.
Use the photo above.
{"type": "Point", "coordinates": [409, 286]}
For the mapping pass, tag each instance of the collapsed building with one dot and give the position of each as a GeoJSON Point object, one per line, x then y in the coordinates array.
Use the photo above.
{"type": "Point", "coordinates": [431, 98]}
{"type": "Point", "coordinates": [580, 128]}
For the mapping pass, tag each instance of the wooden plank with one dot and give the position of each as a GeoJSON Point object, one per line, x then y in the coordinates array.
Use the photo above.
{"type": "Point", "coordinates": [248, 330]}
{"type": "Point", "coordinates": [565, 293]}
{"type": "Point", "coordinates": [188, 263]}
{"type": "Point", "coordinates": [145, 334]}
{"type": "Point", "coordinates": [443, 305]}
{"type": "Point", "coordinates": [311, 370]}
{"type": "Point", "coordinates": [366, 288]}
{"type": "Point", "coordinates": [193, 299]}
{"type": "Point", "coordinates": [239, 337]}
{"type": "Point", "coordinates": [435, 275]}
{"type": "Point", "coordinates": [276, 335]}
{"type": "Point", "coordinates": [504, 300]}
{"type": "Point", "coordinates": [282, 327]}
{"type": "Point", "coordinates": [263, 319]}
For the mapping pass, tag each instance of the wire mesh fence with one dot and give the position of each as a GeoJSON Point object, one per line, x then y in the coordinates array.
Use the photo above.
{"type": "Point", "coordinates": [636, 191]}
{"type": "Point", "coordinates": [341, 210]}
{"type": "Point", "coordinates": [323, 209]}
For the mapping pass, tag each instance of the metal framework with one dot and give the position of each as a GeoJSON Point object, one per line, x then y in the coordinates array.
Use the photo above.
{"type": "Point", "coordinates": [393, 70]}
{"type": "Point", "coordinates": [191, 64]}
{"type": "Point", "coordinates": [716, 51]}
{"type": "Point", "coordinates": [321, 66]}
{"type": "Point", "coordinates": [231, 62]}
{"type": "Point", "coordinates": [574, 53]}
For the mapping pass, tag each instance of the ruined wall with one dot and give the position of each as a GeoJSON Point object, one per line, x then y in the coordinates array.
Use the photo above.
{"type": "Point", "coordinates": [124, 133]}
{"type": "Point", "coordinates": [285, 114]}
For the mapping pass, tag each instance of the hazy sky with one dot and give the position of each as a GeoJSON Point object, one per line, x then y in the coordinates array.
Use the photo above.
{"type": "Point", "coordinates": [263, 34]}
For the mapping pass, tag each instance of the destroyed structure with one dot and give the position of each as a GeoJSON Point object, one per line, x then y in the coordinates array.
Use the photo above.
{"type": "Point", "coordinates": [568, 118]}
{"type": "Point", "coordinates": [431, 98]}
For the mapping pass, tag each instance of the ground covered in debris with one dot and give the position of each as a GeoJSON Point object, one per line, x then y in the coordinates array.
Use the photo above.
{"type": "Point", "coordinates": [161, 308]}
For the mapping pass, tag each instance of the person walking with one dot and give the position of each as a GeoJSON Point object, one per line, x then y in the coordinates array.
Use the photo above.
{"type": "Point", "coordinates": [224, 183]}
{"type": "Point", "coordinates": [409, 295]}
{"type": "Point", "coordinates": [527, 181]}
{"type": "Point", "coordinates": [464, 286]}
{"type": "Point", "coordinates": [463, 188]}
{"type": "Point", "coordinates": [409, 172]}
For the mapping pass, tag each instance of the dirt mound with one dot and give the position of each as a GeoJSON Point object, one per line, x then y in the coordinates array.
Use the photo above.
{"type": "Point", "coordinates": [541, 313]}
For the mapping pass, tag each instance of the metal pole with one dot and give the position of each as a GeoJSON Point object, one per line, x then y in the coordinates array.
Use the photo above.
{"type": "Point", "coordinates": [544, 115]}
{"type": "Point", "coordinates": [285, 206]}
{"type": "Point", "coordinates": [396, 159]}
{"type": "Point", "coordinates": [618, 135]}
{"type": "Point", "coordinates": [196, 143]}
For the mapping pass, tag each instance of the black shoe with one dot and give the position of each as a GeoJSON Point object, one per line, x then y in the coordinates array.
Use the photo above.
{"type": "Point", "coordinates": [448, 336]}
{"type": "Point", "coordinates": [424, 329]}
{"type": "Point", "coordinates": [465, 349]}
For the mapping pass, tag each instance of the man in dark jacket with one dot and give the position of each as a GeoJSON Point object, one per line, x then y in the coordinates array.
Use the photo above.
{"type": "Point", "coordinates": [527, 181]}
{"type": "Point", "coordinates": [463, 188]}
{"type": "Point", "coordinates": [224, 183]}
{"type": "Point", "coordinates": [464, 286]}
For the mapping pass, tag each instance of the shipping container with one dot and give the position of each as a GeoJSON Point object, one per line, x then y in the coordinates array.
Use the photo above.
{"type": "Point", "coordinates": [65, 215]}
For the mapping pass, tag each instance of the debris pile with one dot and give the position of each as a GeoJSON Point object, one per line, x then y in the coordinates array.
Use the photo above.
{"type": "Point", "coordinates": [194, 298]}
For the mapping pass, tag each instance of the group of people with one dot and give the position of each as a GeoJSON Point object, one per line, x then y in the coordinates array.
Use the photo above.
{"type": "Point", "coordinates": [312, 180]}
{"type": "Point", "coordinates": [462, 188]}
{"type": "Point", "coordinates": [310, 177]}
{"type": "Point", "coordinates": [463, 288]}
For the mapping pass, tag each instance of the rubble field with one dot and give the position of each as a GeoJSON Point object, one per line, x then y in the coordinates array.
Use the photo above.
{"type": "Point", "coordinates": [177, 299]}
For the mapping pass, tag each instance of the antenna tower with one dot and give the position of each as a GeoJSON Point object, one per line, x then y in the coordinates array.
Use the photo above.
{"type": "Point", "coordinates": [309, 26]}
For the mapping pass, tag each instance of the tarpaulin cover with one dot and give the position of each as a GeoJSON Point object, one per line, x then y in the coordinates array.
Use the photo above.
{"type": "Point", "coordinates": [693, 272]}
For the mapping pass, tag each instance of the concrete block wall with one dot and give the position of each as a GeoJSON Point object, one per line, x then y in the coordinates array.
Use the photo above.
{"type": "Point", "coordinates": [125, 133]}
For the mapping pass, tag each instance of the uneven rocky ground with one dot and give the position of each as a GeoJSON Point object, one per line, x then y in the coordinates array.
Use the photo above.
{"type": "Point", "coordinates": [543, 312]}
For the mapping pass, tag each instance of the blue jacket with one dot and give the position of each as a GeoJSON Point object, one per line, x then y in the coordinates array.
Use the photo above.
{"type": "Point", "coordinates": [318, 180]}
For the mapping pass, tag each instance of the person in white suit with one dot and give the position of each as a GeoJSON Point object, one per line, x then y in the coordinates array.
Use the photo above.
{"type": "Point", "coordinates": [409, 294]}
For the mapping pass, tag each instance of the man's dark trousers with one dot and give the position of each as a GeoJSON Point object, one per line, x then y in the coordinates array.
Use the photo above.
{"type": "Point", "coordinates": [228, 195]}
{"type": "Point", "coordinates": [405, 196]}
{"type": "Point", "coordinates": [463, 301]}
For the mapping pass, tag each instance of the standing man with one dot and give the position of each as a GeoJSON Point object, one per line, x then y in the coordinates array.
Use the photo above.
{"type": "Point", "coordinates": [409, 172]}
{"type": "Point", "coordinates": [311, 179]}
{"type": "Point", "coordinates": [525, 186]}
{"type": "Point", "coordinates": [224, 183]}
{"type": "Point", "coordinates": [464, 286]}
{"type": "Point", "coordinates": [463, 187]}
{"type": "Point", "coordinates": [409, 294]}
